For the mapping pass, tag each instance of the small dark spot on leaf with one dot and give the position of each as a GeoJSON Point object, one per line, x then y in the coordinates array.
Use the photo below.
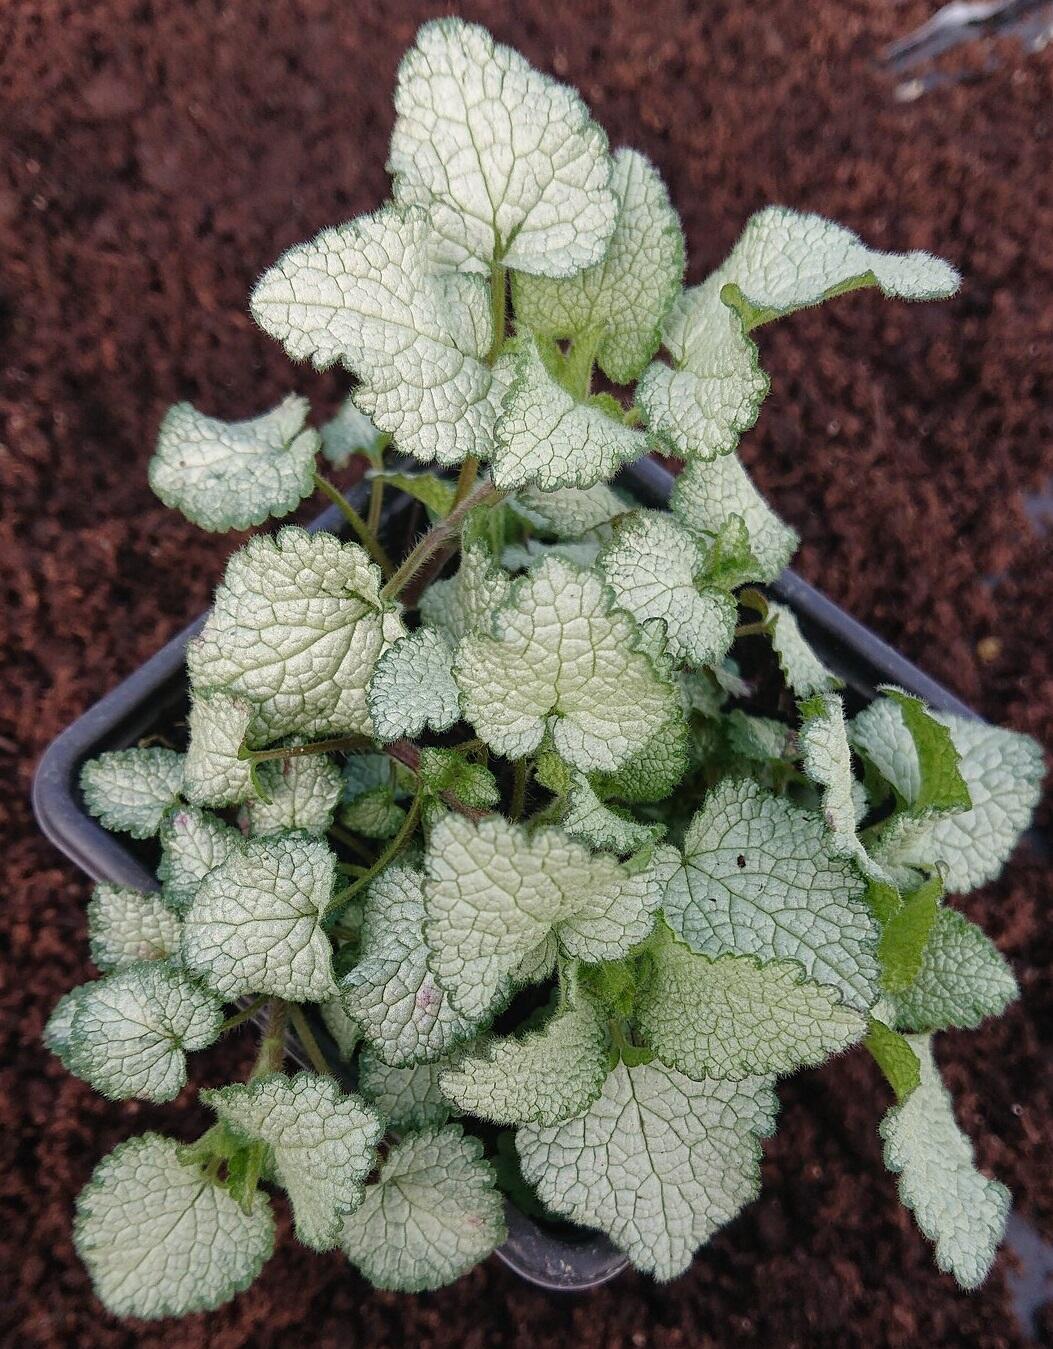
{"type": "Point", "coordinates": [741, 861]}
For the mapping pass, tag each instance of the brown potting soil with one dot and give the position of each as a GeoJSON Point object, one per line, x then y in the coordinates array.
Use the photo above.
{"type": "Point", "coordinates": [155, 157]}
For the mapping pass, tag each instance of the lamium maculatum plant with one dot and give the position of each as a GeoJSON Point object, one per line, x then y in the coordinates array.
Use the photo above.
{"type": "Point", "coordinates": [509, 814]}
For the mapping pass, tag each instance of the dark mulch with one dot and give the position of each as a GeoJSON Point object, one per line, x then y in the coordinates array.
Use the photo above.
{"type": "Point", "coordinates": [154, 157]}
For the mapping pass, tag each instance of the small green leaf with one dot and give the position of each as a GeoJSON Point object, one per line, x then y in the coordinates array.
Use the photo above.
{"type": "Point", "coordinates": [126, 925]}
{"type": "Point", "coordinates": [912, 751]}
{"type": "Point", "coordinates": [438, 494]}
{"type": "Point", "coordinates": [905, 936]}
{"type": "Point", "coordinates": [296, 629]}
{"type": "Point", "coordinates": [962, 979]}
{"type": "Point", "coordinates": [509, 163]}
{"type": "Point", "coordinates": [322, 1144]}
{"type": "Point", "coordinates": [432, 1213]}
{"type": "Point", "coordinates": [563, 658]}
{"type": "Point", "coordinates": [445, 771]}
{"type": "Point", "coordinates": [413, 687]}
{"type": "Point", "coordinates": [602, 826]}
{"type": "Point", "coordinates": [802, 669]}
{"type": "Point", "coordinates": [567, 512]}
{"type": "Point", "coordinates": [618, 303]}
{"type": "Point", "coordinates": [131, 1031]}
{"type": "Point", "coordinates": [658, 1162]}
{"type": "Point", "coordinates": [160, 1239]}
{"type": "Point", "coordinates": [955, 1206]}
{"type": "Point", "coordinates": [232, 475]}
{"type": "Point", "coordinates": [255, 924]}
{"type": "Point", "coordinates": [131, 789]}
{"type": "Point", "coordinates": [894, 1056]}
{"type": "Point", "coordinates": [733, 1016]}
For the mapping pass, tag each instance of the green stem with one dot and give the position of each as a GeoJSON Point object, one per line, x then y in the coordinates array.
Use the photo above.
{"type": "Point", "coordinates": [246, 1014]}
{"type": "Point", "coordinates": [306, 1038]}
{"type": "Point", "coordinates": [376, 505]}
{"type": "Point", "coordinates": [578, 363]}
{"type": "Point", "coordinates": [366, 536]}
{"type": "Point", "coordinates": [271, 1054]}
{"type": "Point", "coordinates": [401, 839]}
{"type": "Point", "coordinates": [348, 839]}
{"type": "Point", "coordinates": [466, 478]}
{"type": "Point", "coordinates": [753, 629]}
{"type": "Point", "coordinates": [337, 742]}
{"type": "Point", "coordinates": [437, 537]}
{"type": "Point", "coordinates": [498, 310]}
{"type": "Point", "coordinates": [519, 789]}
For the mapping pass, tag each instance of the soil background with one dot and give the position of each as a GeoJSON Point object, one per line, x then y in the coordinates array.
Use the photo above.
{"type": "Point", "coordinates": [155, 156]}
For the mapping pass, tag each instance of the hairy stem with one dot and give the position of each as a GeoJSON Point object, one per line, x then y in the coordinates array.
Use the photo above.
{"type": "Point", "coordinates": [271, 1054]}
{"type": "Point", "coordinates": [401, 839]}
{"type": "Point", "coordinates": [578, 363]}
{"type": "Point", "coordinates": [521, 774]}
{"type": "Point", "coordinates": [306, 1038]}
{"type": "Point", "coordinates": [498, 310]}
{"type": "Point", "coordinates": [246, 1014]}
{"type": "Point", "coordinates": [337, 742]}
{"type": "Point", "coordinates": [366, 536]}
{"type": "Point", "coordinates": [466, 478]}
{"type": "Point", "coordinates": [440, 534]}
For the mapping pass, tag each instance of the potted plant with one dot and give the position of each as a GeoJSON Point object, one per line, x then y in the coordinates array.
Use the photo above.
{"type": "Point", "coordinates": [557, 823]}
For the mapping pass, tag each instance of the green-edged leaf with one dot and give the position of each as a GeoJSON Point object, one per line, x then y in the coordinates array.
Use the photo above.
{"type": "Point", "coordinates": [59, 1026]}
{"type": "Point", "coordinates": [956, 1207]}
{"type": "Point", "coordinates": [761, 739]}
{"type": "Point", "coordinates": [759, 877]}
{"type": "Point", "coordinates": [603, 826]}
{"type": "Point", "coordinates": [160, 1239]}
{"type": "Point", "coordinates": [912, 751]}
{"type": "Point", "coordinates": [322, 1144]}
{"type": "Point", "coordinates": [409, 1097]}
{"type": "Point", "coordinates": [546, 438]}
{"type": "Point", "coordinates": [215, 773]}
{"type": "Point", "coordinates": [708, 496]}
{"type": "Point", "coordinates": [349, 433]}
{"type": "Point", "coordinates": [432, 1214]}
{"type": "Point", "coordinates": [413, 687]}
{"type": "Point", "coordinates": [193, 843]}
{"type": "Point", "coordinates": [493, 893]}
{"type": "Point", "coordinates": [654, 770]}
{"type": "Point", "coordinates": [894, 1056]}
{"type": "Point", "coordinates": [619, 303]}
{"type": "Point", "coordinates": [296, 628]}
{"type": "Point", "coordinates": [232, 475]}
{"type": "Point", "coordinates": [731, 561]}
{"type": "Point", "coordinates": [654, 567]}
{"type": "Point", "coordinates": [541, 1077]}
{"type": "Point", "coordinates": [562, 657]}
{"type": "Point", "coordinates": [962, 979]}
{"type": "Point", "coordinates": [126, 925]}
{"type": "Point", "coordinates": [905, 935]}
{"type": "Point", "coordinates": [827, 759]}
{"type": "Point", "coordinates": [734, 1016]}
{"type": "Point", "coordinates": [567, 512]}
{"type": "Point", "coordinates": [466, 602]}
{"type": "Point", "coordinates": [401, 1007]}
{"type": "Point", "coordinates": [523, 556]}
{"type": "Point", "coordinates": [786, 260]}
{"type": "Point", "coordinates": [443, 771]}
{"type": "Point", "coordinates": [368, 294]}
{"type": "Point", "coordinates": [1003, 773]}
{"type": "Point", "coordinates": [509, 163]}
{"type": "Point", "coordinates": [131, 1031]}
{"type": "Point", "coordinates": [254, 925]}
{"type": "Point", "coordinates": [301, 794]}
{"type": "Point", "coordinates": [802, 669]}
{"type": "Point", "coordinates": [438, 494]}
{"type": "Point", "coordinates": [130, 789]}
{"type": "Point", "coordinates": [658, 1162]}
{"type": "Point", "coordinates": [374, 814]}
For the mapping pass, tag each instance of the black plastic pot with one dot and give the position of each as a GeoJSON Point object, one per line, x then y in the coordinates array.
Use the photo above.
{"type": "Point", "coordinates": [156, 694]}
